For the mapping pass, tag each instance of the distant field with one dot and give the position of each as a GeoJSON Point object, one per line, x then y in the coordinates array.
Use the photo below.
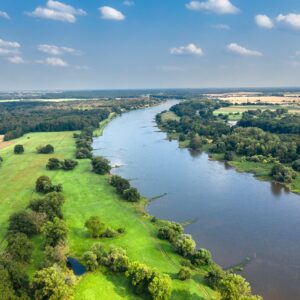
{"type": "Point", "coordinates": [169, 115]}
{"type": "Point", "coordinates": [89, 194]}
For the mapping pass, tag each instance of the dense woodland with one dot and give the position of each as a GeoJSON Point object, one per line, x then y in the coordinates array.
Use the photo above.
{"type": "Point", "coordinates": [269, 137]}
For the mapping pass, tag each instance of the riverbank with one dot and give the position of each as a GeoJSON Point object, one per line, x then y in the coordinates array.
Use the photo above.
{"type": "Point", "coordinates": [260, 170]}
{"type": "Point", "coordinates": [87, 194]}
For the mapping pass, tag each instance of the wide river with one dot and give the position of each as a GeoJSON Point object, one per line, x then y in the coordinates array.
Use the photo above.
{"type": "Point", "coordinates": [234, 215]}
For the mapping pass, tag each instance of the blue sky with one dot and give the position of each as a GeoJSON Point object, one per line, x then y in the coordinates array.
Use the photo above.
{"type": "Point", "coordinates": [96, 44]}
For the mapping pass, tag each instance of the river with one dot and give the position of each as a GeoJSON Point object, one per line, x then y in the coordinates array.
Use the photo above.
{"type": "Point", "coordinates": [234, 215]}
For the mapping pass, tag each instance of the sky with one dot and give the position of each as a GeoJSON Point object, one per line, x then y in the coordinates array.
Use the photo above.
{"type": "Point", "coordinates": [135, 44]}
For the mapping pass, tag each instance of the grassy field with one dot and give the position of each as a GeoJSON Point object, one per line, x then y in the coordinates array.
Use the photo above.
{"type": "Point", "coordinates": [89, 194]}
{"type": "Point", "coordinates": [169, 115]}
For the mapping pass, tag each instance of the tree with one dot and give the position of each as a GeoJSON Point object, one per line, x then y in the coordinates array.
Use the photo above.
{"type": "Point", "coordinates": [54, 164]}
{"type": "Point", "coordinates": [22, 222]}
{"type": "Point", "coordinates": [90, 260]}
{"type": "Point", "coordinates": [228, 156]}
{"type": "Point", "coordinates": [170, 231]}
{"type": "Point", "coordinates": [214, 276]}
{"type": "Point", "coordinates": [160, 287]}
{"type": "Point", "coordinates": [99, 251]}
{"type": "Point", "coordinates": [69, 164]}
{"type": "Point", "coordinates": [44, 185]}
{"type": "Point", "coordinates": [184, 273]}
{"type": "Point", "coordinates": [116, 259]}
{"type": "Point", "coordinates": [196, 143]}
{"type": "Point", "coordinates": [6, 289]}
{"type": "Point", "coordinates": [48, 149]}
{"type": "Point", "coordinates": [185, 245]}
{"type": "Point", "coordinates": [202, 257]}
{"type": "Point", "coordinates": [49, 283]}
{"type": "Point", "coordinates": [119, 183]}
{"type": "Point", "coordinates": [132, 195]}
{"type": "Point", "coordinates": [56, 255]}
{"type": "Point", "coordinates": [296, 165]}
{"type": "Point", "coordinates": [282, 173]}
{"type": "Point", "coordinates": [51, 205]}
{"type": "Point", "coordinates": [19, 149]}
{"type": "Point", "coordinates": [55, 232]}
{"type": "Point", "coordinates": [101, 165]}
{"type": "Point", "coordinates": [19, 247]}
{"type": "Point", "coordinates": [94, 226]}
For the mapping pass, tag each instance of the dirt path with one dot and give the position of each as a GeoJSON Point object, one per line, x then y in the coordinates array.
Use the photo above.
{"type": "Point", "coordinates": [4, 144]}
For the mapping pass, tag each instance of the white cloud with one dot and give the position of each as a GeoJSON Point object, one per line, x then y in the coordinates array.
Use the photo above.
{"type": "Point", "coordinates": [58, 11]}
{"type": "Point", "coordinates": [291, 21]}
{"type": "Point", "coordinates": [4, 15]}
{"type": "Point", "coordinates": [264, 21]}
{"type": "Point", "coordinates": [8, 51]}
{"type": "Point", "coordinates": [221, 26]}
{"type": "Point", "coordinates": [215, 6]}
{"type": "Point", "coordinates": [128, 3]}
{"type": "Point", "coordinates": [237, 49]}
{"type": "Point", "coordinates": [17, 59]}
{"type": "Point", "coordinates": [190, 49]}
{"type": "Point", "coordinates": [109, 13]}
{"type": "Point", "coordinates": [56, 50]}
{"type": "Point", "coordinates": [8, 44]}
{"type": "Point", "coordinates": [54, 62]}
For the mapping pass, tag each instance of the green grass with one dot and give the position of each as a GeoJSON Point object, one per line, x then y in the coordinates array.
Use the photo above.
{"type": "Point", "coordinates": [99, 131]}
{"type": "Point", "coordinates": [89, 194]}
{"type": "Point", "coordinates": [169, 115]}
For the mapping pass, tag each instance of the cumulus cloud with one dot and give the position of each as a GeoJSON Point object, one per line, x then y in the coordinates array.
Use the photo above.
{"type": "Point", "coordinates": [56, 50]}
{"type": "Point", "coordinates": [128, 3]}
{"type": "Point", "coordinates": [53, 62]}
{"type": "Point", "coordinates": [4, 15]}
{"type": "Point", "coordinates": [264, 21]}
{"type": "Point", "coordinates": [291, 21]}
{"type": "Point", "coordinates": [221, 26]}
{"type": "Point", "coordinates": [58, 11]}
{"type": "Point", "coordinates": [239, 50]}
{"type": "Point", "coordinates": [215, 6]}
{"type": "Point", "coordinates": [17, 59]}
{"type": "Point", "coordinates": [11, 51]}
{"type": "Point", "coordinates": [190, 49]}
{"type": "Point", "coordinates": [110, 13]}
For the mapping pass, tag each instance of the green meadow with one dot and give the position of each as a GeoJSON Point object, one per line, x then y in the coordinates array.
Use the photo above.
{"type": "Point", "coordinates": [88, 194]}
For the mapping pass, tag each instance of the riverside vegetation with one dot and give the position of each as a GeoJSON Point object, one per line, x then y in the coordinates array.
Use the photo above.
{"type": "Point", "coordinates": [53, 206]}
{"type": "Point", "coordinates": [266, 143]}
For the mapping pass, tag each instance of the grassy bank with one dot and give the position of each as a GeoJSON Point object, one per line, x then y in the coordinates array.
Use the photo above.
{"type": "Point", "coordinates": [99, 131]}
{"type": "Point", "coordinates": [89, 194]}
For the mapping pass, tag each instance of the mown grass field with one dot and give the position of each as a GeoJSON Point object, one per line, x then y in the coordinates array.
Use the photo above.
{"type": "Point", "coordinates": [89, 194]}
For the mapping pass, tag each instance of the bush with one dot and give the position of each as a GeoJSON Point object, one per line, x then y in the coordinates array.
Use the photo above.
{"type": "Point", "coordinates": [19, 149]}
{"type": "Point", "coordinates": [202, 257]}
{"type": "Point", "coordinates": [185, 245]}
{"type": "Point", "coordinates": [116, 260]}
{"type": "Point", "coordinates": [296, 165]}
{"type": "Point", "coordinates": [109, 233]}
{"type": "Point", "coordinates": [121, 230]}
{"type": "Point", "coordinates": [184, 274]}
{"type": "Point", "coordinates": [282, 173]}
{"type": "Point", "coordinates": [44, 185]}
{"type": "Point", "coordinates": [101, 165]}
{"type": "Point", "coordinates": [69, 164]}
{"type": "Point", "coordinates": [228, 156]}
{"type": "Point", "coordinates": [50, 205]}
{"type": "Point", "coordinates": [22, 222]}
{"type": "Point", "coordinates": [170, 231]}
{"type": "Point", "coordinates": [19, 247]}
{"type": "Point", "coordinates": [1, 159]}
{"type": "Point", "coordinates": [56, 255]}
{"type": "Point", "coordinates": [48, 149]}
{"type": "Point", "coordinates": [214, 276]}
{"type": "Point", "coordinates": [119, 183]}
{"type": "Point", "coordinates": [94, 226]}
{"type": "Point", "coordinates": [99, 251]}
{"type": "Point", "coordinates": [90, 260]}
{"type": "Point", "coordinates": [83, 153]}
{"type": "Point", "coordinates": [132, 195]}
{"type": "Point", "coordinates": [53, 164]}
{"type": "Point", "coordinates": [55, 232]}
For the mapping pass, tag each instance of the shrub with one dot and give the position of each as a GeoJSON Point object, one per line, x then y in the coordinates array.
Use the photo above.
{"type": "Point", "coordinates": [296, 165]}
{"type": "Point", "coordinates": [44, 185]}
{"type": "Point", "coordinates": [116, 260]}
{"type": "Point", "coordinates": [109, 233]}
{"type": "Point", "coordinates": [48, 149]}
{"type": "Point", "coordinates": [90, 260]}
{"type": "Point", "coordinates": [185, 245]}
{"type": "Point", "coordinates": [99, 251]}
{"type": "Point", "coordinates": [214, 276]}
{"type": "Point", "coordinates": [202, 257]}
{"type": "Point", "coordinates": [19, 247]}
{"type": "Point", "coordinates": [121, 230]}
{"type": "Point", "coordinates": [50, 283]}
{"type": "Point", "coordinates": [228, 156]}
{"type": "Point", "coordinates": [53, 164]}
{"type": "Point", "coordinates": [1, 159]}
{"type": "Point", "coordinates": [184, 274]}
{"type": "Point", "coordinates": [94, 226]}
{"type": "Point", "coordinates": [22, 222]}
{"type": "Point", "coordinates": [56, 255]}
{"type": "Point", "coordinates": [55, 232]}
{"type": "Point", "coordinates": [170, 231]}
{"type": "Point", "coordinates": [101, 165]}
{"type": "Point", "coordinates": [282, 173]}
{"type": "Point", "coordinates": [69, 164]}
{"type": "Point", "coordinates": [132, 195]}
{"type": "Point", "coordinates": [19, 149]}
{"type": "Point", "coordinates": [119, 183]}
{"type": "Point", "coordinates": [50, 205]}
{"type": "Point", "coordinates": [83, 153]}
